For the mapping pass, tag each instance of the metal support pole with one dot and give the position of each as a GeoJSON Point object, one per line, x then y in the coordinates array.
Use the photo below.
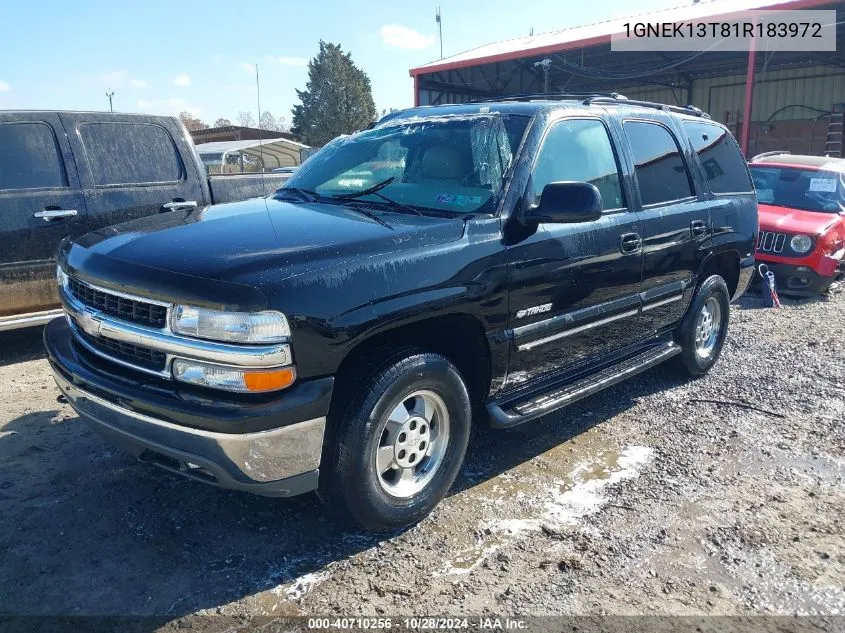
{"type": "Point", "coordinates": [416, 91]}
{"type": "Point", "coordinates": [749, 95]}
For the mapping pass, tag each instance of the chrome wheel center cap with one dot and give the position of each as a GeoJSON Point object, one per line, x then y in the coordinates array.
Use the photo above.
{"type": "Point", "coordinates": [411, 442]}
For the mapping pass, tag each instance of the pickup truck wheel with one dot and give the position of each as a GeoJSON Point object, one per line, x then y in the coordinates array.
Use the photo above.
{"type": "Point", "coordinates": [705, 327]}
{"type": "Point", "coordinates": [398, 450]}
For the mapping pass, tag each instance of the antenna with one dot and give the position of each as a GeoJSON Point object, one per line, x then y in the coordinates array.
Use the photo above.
{"type": "Point", "coordinates": [439, 30]}
{"type": "Point", "coordinates": [260, 139]}
{"type": "Point", "coordinates": [110, 95]}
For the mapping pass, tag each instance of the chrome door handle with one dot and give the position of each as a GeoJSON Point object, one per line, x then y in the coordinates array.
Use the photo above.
{"type": "Point", "coordinates": [630, 243]}
{"type": "Point", "coordinates": [698, 228]}
{"type": "Point", "coordinates": [54, 214]}
{"type": "Point", "coordinates": [177, 204]}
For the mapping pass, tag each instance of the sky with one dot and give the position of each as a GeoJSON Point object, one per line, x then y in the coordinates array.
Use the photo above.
{"type": "Point", "coordinates": [200, 56]}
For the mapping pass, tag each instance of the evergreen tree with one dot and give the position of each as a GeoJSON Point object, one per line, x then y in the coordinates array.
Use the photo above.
{"type": "Point", "coordinates": [337, 99]}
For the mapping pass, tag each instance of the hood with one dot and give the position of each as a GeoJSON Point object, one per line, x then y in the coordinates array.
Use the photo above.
{"type": "Point", "coordinates": [240, 240]}
{"type": "Point", "coordinates": [785, 220]}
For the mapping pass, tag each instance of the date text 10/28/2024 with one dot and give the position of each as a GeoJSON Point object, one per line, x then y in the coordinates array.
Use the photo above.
{"type": "Point", "coordinates": [417, 624]}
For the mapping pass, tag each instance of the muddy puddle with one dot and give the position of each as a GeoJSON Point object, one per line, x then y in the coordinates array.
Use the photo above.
{"type": "Point", "coordinates": [530, 503]}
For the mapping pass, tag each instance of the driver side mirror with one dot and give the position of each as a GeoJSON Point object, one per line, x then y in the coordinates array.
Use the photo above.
{"type": "Point", "coordinates": [566, 203]}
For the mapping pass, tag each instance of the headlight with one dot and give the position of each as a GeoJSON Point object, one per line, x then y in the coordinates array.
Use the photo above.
{"type": "Point", "coordinates": [801, 243]}
{"type": "Point", "coordinates": [61, 277]}
{"type": "Point", "coordinates": [236, 327]}
{"type": "Point", "coordinates": [238, 379]}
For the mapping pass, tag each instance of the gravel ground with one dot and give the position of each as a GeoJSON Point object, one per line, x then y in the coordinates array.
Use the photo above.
{"type": "Point", "coordinates": [722, 495]}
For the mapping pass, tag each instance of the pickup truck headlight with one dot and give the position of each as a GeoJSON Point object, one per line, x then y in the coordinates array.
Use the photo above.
{"type": "Point", "coordinates": [801, 243]}
{"type": "Point", "coordinates": [237, 379]}
{"type": "Point", "coordinates": [231, 327]}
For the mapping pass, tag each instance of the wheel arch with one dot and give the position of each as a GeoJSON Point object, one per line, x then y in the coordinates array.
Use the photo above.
{"type": "Point", "coordinates": [726, 264]}
{"type": "Point", "coordinates": [460, 337]}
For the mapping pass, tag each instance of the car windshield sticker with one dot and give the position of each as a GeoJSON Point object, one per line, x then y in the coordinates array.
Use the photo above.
{"type": "Point", "coordinates": [823, 184]}
{"type": "Point", "coordinates": [445, 198]}
{"type": "Point", "coordinates": [475, 199]}
{"type": "Point", "coordinates": [461, 201]}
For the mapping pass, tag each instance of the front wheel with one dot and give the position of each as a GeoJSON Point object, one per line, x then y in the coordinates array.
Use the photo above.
{"type": "Point", "coordinates": [704, 329]}
{"type": "Point", "coordinates": [401, 443]}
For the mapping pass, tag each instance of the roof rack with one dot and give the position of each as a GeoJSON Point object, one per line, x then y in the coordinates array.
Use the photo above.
{"type": "Point", "coordinates": [604, 98]}
{"type": "Point", "coordinates": [687, 109]}
{"type": "Point", "coordinates": [552, 96]}
{"type": "Point", "coordinates": [779, 152]}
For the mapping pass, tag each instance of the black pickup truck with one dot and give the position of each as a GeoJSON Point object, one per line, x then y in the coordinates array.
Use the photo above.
{"type": "Point", "coordinates": [503, 258]}
{"type": "Point", "coordinates": [63, 174]}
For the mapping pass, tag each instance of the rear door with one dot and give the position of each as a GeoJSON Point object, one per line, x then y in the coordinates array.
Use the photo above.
{"type": "Point", "coordinates": [40, 204]}
{"type": "Point", "coordinates": [674, 217]}
{"type": "Point", "coordinates": [130, 168]}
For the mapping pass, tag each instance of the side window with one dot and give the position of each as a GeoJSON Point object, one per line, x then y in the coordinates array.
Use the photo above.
{"type": "Point", "coordinates": [720, 157]}
{"type": "Point", "coordinates": [130, 153]}
{"type": "Point", "coordinates": [29, 157]}
{"type": "Point", "coordinates": [660, 168]}
{"type": "Point", "coordinates": [579, 150]}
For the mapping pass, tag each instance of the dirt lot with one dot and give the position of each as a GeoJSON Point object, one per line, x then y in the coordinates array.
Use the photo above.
{"type": "Point", "coordinates": [653, 497]}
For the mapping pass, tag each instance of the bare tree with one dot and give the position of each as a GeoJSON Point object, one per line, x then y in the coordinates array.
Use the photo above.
{"type": "Point", "coordinates": [221, 122]}
{"type": "Point", "coordinates": [245, 119]}
{"type": "Point", "coordinates": [268, 122]}
{"type": "Point", "coordinates": [191, 122]}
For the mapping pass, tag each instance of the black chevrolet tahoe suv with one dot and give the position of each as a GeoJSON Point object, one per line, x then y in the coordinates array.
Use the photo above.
{"type": "Point", "coordinates": [503, 259]}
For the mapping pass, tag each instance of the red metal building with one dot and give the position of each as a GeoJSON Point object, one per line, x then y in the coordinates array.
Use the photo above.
{"type": "Point", "coordinates": [788, 97]}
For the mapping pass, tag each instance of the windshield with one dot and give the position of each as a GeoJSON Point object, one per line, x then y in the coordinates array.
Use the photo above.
{"type": "Point", "coordinates": [805, 189]}
{"type": "Point", "coordinates": [450, 163]}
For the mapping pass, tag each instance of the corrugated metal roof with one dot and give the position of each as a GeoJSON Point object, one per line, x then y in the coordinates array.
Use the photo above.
{"type": "Point", "coordinates": [600, 32]}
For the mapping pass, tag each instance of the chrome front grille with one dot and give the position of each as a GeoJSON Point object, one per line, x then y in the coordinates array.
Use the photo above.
{"type": "Point", "coordinates": [771, 242]}
{"type": "Point", "coordinates": [134, 355]}
{"type": "Point", "coordinates": [119, 306]}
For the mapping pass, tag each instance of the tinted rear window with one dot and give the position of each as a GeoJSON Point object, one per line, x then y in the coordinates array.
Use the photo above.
{"type": "Point", "coordinates": [130, 153]}
{"type": "Point", "coordinates": [661, 170]}
{"type": "Point", "coordinates": [29, 157]}
{"type": "Point", "coordinates": [724, 166]}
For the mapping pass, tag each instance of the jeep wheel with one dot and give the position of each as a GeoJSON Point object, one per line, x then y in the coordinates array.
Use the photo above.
{"type": "Point", "coordinates": [399, 447]}
{"type": "Point", "coordinates": [705, 327]}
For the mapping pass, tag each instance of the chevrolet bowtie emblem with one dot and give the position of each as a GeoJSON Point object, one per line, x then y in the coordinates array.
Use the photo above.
{"type": "Point", "coordinates": [87, 323]}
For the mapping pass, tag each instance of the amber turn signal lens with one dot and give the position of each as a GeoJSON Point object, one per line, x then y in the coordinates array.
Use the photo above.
{"type": "Point", "coordinates": [269, 380]}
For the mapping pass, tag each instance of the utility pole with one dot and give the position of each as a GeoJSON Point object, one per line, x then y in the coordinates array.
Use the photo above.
{"type": "Point", "coordinates": [258, 103]}
{"type": "Point", "coordinates": [545, 64]}
{"type": "Point", "coordinates": [110, 95]}
{"type": "Point", "coordinates": [439, 31]}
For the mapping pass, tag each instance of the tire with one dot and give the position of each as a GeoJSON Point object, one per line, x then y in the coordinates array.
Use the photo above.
{"type": "Point", "coordinates": [412, 417]}
{"type": "Point", "coordinates": [700, 336]}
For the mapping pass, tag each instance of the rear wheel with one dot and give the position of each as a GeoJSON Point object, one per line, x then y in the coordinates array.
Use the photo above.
{"type": "Point", "coordinates": [704, 329]}
{"type": "Point", "coordinates": [394, 454]}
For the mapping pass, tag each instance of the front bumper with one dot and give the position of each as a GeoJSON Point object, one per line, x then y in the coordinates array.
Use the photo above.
{"type": "Point", "coordinates": [279, 461]}
{"type": "Point", "coordinates": [797, 280]}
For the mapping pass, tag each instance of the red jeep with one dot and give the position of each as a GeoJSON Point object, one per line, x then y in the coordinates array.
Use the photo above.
{"type": "Point", "coordinates": [802, 220]}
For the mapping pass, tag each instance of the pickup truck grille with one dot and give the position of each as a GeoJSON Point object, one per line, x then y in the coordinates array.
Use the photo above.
{"type": "Point", "coordinates": [771, 242]}
{"type": "Point", "coordinates": [126, 352]}
{"type": "Point", "coordinates": [132, 310]}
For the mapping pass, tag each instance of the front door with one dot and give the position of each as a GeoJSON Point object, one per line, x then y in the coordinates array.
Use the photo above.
{"type": "Point", "coordinates": [40, 204]}
{"type": "Point", "coordinates": [574, 287]}
{"type": "Point", "coordinates": [130, 168]}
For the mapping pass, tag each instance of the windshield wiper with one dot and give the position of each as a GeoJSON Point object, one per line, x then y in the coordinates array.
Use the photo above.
{"type": "Point", "coordinates": [368, 213]}
{"type": "Point", "coordinates": [364, 192]}
{"type": "Point", "coordinates": [374, 190]}
{"type": "Point", "coordinates": [304, 194]}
